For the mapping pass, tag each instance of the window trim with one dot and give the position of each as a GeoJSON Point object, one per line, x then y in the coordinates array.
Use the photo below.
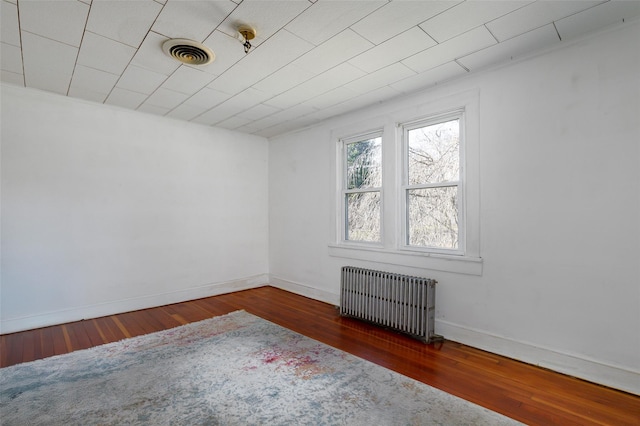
{"type": "Point", "coordinates": [392, 251]}
{"type": "Point", "coordinates": [404, 187]}
{"type": "Point", "coordinates": [344, 191]}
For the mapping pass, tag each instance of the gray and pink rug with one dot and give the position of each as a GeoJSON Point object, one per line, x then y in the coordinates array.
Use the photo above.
{"type": "Point", "coordinates": [237, 369]}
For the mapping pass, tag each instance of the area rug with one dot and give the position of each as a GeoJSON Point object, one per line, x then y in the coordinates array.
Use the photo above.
{"type": "Point", "coordinates": [237, 369]}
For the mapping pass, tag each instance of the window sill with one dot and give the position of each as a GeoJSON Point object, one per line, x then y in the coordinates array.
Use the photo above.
{"type": "Point", "coordinates": [440, 262]}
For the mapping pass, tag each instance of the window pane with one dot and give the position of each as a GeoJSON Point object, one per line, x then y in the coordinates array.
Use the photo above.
{"type": "Point", "coordinates": [364, 160]}
{"type": "Point", "coordinates": [433, 217]}
{"type": "Point", "coordinates": [363, 216]}
{"type": "Point", "coordinates": [434, 153]}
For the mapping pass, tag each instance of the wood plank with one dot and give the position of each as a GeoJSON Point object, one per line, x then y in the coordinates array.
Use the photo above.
{"type": "Point", "coordinates": [78, 337]}
{"type": "Point", "coordinates": [134, 325]}
{"type": "Point", "coordinates": [46, 336]}
{"type": "Point", "coordinates": [60, 337]}
{"type": "Point", "coordinates": [67, 334]}
{"type": "Point", "coordinates": [163, 318]}
{"type": "Point", "coordinates": [14, 348]}
{"type": "Point", "coordinates": [28, 345]}
{"type": "Point", "coordinates": [108, 329]}
{"type": "Point", "coordinates": [524, 392]}
{"type": "Point", "coordinates": [121, 326]}
{"type": "Point", "coordinates": [93, 333]}
{"type": "Point", "coordinates": [4, 358]}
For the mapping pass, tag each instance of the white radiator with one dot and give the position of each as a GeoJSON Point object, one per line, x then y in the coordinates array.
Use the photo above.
{"type": "Point", "coordinates": [400, 302]}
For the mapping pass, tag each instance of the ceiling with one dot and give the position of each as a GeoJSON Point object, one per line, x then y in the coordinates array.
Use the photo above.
{"type": "Point", "coordinates": [310, 59]}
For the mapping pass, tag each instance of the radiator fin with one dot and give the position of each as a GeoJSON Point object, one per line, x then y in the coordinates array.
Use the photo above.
{"type": "Point", "coordinates": [400, 302]}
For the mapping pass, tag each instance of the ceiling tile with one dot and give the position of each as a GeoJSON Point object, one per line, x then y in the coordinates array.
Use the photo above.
{"type": "Point", "coordinates": [140, 80]}
{"type": "Point", "coordinates": [368, 98]}
{"type": "Point", "coordinates": [92, 79]}
{"type": "Point", "coordinates": [48, 64]}
{"type": "Point", "coordinates": [235, 105]}
{"type": "Point", "coordinates": [187, 80]}
{"type": "Point", "coordinates": [166, 98]}
{"type": "Point", "coordinates": [217, 114]}
{"type": "Point", "coordinates": [535, 15]}
{"type": "Point", "coordinates": [285, 78]}
{"type": "Point", "coordinates": [393, 50]}
{"type": "Point", "coordinates": [11, 58]}
{"type": "Point", "coordinates": [125, 98]}
{"type": "Point", "coordinates": [104, 54]}
{"type": "Point", "coordinates": [62, 21]}
{"type": "Point", "coordinates": [282, 116]}
{"type": "Point", "coordinates": [124, 21]}
{"type": "Point", "coordinates": [328, 112]}
{"type": "Point", "coordinates": [285, 125]}
{"type": "Point", "coordinates": [325, 19]}
{"type": "Point", "coordinates": [153, 109]}
{"type": "Point", "coordinates": [454, 48]}
{"type": "Point", "coordinates": [512, 48]}
{"type": "Point", "coordinates": [248, 98]}
{"type": "Point", "coordinates": [233, 122]}
{"type": "Point", "coordinates": [194, 20]}
{"type": "Point", "coordinates": [380, 78]}
{"type": "Point", "coordinates": [186, 112]}
{"type": "Point", "coordinates": [207, 98]}
{"type": "Point", "coordinates": [330, 98]}
{"type": "Point", "coordinates": [228, 50]}
{"type": "Point", "coordinates": [597, 17]}
{"type": "Point", "coordinates": [466, 16]}
{"type": "Point", "coordinates": [333, 52]}
{"type": "Point", "coordinates": [9, 29]}
{"type": "Point", "coordinates": [261, 62]}
{"type": "Point", "coordinates": [258, 112]}
{"type": "Point", "coordinates": [12, 78]}
{"type": "Point", "coordinates": [290, 98]}
{"type": "Point", "coordinates": [396, 17]}
{"type": "Point", "coordinates": [335, 77]}
{"type": "Point", "coordinates": [266, 17]}
{"type": "Point", "coordinates": [211, 117]}
{"type": "Point", "coordinates": [430, 77]}
{"type": "Point", "coordinates": [150, 55]}
{"type": "Point", "coordinates": [88, 95]}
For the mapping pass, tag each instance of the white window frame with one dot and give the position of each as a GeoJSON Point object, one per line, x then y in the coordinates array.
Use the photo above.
{"type": "Point", "coordinates": [344, 191]}
{"type": "Point", "coordinates": [403, 200]}
{"type": "Point", "coordinates": [393, 250]}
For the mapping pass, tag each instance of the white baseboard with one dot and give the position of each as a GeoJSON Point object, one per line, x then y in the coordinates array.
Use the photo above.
{"type": "Point", "coordinates": [572, 365]}
{"type": "Point", "coordinates": [303, 290]}
{"type": "Point", "coordinates": [13, 325]}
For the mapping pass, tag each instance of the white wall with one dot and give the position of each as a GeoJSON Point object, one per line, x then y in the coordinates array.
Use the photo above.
{"type": "Point", "coordinates": [559, 215]}
{"type": "Point", "coordinates": [106, 210]}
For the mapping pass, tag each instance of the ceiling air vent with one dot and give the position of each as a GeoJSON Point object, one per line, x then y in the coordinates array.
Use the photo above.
{"type": "Point", "coordinates": [188, 51]}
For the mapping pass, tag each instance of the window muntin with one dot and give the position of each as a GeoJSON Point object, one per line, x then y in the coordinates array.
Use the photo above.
{"type": "Point", "coordinates": [432, 184]}
{"type": "Point", "coordinates": [362, 188]}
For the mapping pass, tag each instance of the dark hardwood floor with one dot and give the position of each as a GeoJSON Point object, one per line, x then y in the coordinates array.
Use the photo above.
{"type": "Point", "coordinates": [526, 393]}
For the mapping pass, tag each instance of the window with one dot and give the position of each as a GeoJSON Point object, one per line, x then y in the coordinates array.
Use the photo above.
{"type": "Point", "coordinates": [362, 188]}
{"type": "Point", "coordinates": [432, 187]}
{"type": "Point", "coordinates": [409, 193]}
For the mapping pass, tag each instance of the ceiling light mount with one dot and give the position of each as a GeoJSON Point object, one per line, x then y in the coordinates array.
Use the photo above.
{"type": "Point", "coordinates": [188, 51]}
{"type": "Point", "coordinates": [247, 33]}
